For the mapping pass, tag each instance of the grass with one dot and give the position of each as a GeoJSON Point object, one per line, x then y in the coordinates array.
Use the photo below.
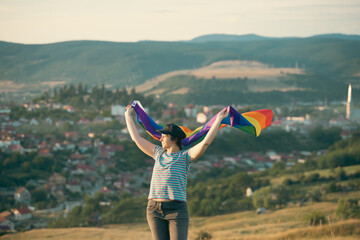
{"type": "Point", "coordinates": [287, 223]}
{"type": "Point", "coordinates": [323, 173]}
{"type": "Point", "coordinates": [267, 78]}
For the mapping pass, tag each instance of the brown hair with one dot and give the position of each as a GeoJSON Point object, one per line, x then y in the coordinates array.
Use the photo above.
{"type": "Point", "coordinates": [177, 141]}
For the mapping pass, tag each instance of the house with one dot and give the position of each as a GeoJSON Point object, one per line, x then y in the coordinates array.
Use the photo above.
{"type": "Point", "coordinates": [77, 158]}
{"type": "Point", "coordinates": [121, 183]}
{"type": "Point", "coordinates": [68, 108]}
{"type": "Point", "coordinates": [6, 214]}
{"type": "Point", "coordinates": [84, 146]}
{"type": "Point", "coordinates": [34, 122]}
{"type": "Point", "coordinates": [45, 152]}
{"type": "Point", "coordinates": [73, 187]}
{"type": "Point", "coordinates": [68, 145]}
{"type": "Point", "coordinates": [6, 225]}
{"type": "Point", "coordinates": [16, 148]}
{"type": "Point", "coordinates": [48, 120]}
{"type": "Point", "coordinates": [111, 149]}
{"type": "Point", "coordinates": [98, 119]}
{"type": "Point", "coordinates": [106, 191]}
{"type": "Point", "coordinates": [118, 110]}
{"type": "Point", "coordinates": [168, 113]}
{"type": "Point", "coordinates": [190, 111]}
{"type": "Point", "coordinates": [4, 116]}
{"type": "Point", "coordinates": [82, 168]}
{"type": "Point", "coordinates": [249, 192]}
{"type": "Point", "coordinates": [22, 195]}
{"type": "Point", "coordinates": [84, 120]}
{"type": "Point", "coordinates": [345, 134]}
{"type": "Point", "coordinates": [22, 213]}
{"type": "Point", "coordinates": [57, 179]}
{"type": "Point", "coordinates": [71, 135]}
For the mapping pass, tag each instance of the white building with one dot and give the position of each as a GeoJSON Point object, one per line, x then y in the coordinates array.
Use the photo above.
{"type": "Point", "coordinates": [6, 225]}
{"type": "Point", "coordinates": [190, 111]}
{"type": "Point", "coordinates": [249, 192]}
{"type": "Point", "coordinates": [22, 213]}
{"type": "Point", "coordinates": [22, 195]}
{"type": "Point", "coordinates": [117, 110]}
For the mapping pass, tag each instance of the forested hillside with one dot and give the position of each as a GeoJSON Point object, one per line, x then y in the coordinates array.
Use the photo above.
{"type": "Point", "coordinates": [123, 64]}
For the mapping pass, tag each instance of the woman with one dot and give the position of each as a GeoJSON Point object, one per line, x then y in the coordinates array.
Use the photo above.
{"type": "Point", "coordinates": [167, 212]}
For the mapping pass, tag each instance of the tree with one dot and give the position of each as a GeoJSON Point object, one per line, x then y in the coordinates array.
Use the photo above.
{"type": "Point", "coordinates": [271, 196]}
{"type": "Point", "coordinates": [325, 137]}
{"type": "Point", "coordinates": [348, 208]}
{"type": "Point", "coordinates": [39, 195]}
{"type": "Point", "coordinates": [316, 218]}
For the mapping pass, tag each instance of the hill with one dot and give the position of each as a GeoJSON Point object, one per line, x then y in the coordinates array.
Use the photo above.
{"type": "Point", "coordinates": [130, 64]}
{"type": "Point", "coordinates": [254, 37]}
{"type": "Point", "coordinates": [288, 223]}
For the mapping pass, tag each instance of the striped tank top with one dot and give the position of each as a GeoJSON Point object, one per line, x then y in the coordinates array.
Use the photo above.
{"type": "Point", "coordinates": [169, 178]}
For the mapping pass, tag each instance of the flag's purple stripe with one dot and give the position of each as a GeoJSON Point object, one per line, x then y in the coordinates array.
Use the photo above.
{"type": "Point", "coordinates": [150, 125]}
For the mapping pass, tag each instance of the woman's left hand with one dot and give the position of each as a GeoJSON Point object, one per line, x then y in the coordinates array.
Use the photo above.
{"type": "Point", "coordinates": [224, 113]}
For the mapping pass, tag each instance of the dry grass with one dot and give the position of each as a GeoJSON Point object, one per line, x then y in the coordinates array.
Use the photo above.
{"type": "Point", "coordinates": [183, 90]}
{"type": "Point", "coordinates": [53, 83]}
{"type": "Point", "coordinates": [242, 69]}
{"type": "Point", "coordinates": [231, 69]}
{"type": "Point", "coordinates": [288, 223]}
{"type": "Point", "coordinates": [10, 86]}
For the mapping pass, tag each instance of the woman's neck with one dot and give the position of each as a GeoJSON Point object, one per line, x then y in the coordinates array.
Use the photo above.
{"type": "Point", "coordinates": [173, 149]}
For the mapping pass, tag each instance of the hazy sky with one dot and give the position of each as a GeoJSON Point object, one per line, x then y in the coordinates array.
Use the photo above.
{"type": "Point", "coordinates": [45, 21]}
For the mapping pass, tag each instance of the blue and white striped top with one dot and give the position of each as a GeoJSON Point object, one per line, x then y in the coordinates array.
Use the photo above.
{"type": "Point", "coordinates": [169, 178]}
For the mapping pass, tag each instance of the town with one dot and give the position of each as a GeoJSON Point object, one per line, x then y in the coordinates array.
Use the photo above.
{"type": "Point", "coordinates": [51, 163]}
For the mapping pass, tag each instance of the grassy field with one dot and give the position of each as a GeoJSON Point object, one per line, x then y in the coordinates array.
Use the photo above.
{"type": "Point", "coordinates": [287, 223]}
{"type": "Point", "coordinates": [267, 77]}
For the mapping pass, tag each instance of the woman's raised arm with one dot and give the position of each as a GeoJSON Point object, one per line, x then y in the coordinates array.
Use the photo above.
{"type": "Point", "coordinates": [199, 149]}
{"type": "Point", "coordinates": [143, 144]}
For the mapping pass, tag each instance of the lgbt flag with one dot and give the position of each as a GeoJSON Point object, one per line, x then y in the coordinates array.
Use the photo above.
{"type": "Point", "coordinates": [250, 122]}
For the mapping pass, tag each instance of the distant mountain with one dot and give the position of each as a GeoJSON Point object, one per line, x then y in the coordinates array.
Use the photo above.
{"type": "Point", "coordinates": [338, 36]}
{"type": "Point", "coordinates": [254, 37]}
{"type": "Point", "coordinates": [226, 37]}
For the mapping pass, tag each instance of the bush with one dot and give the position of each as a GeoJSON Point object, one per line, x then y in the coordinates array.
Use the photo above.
{"type": "Point", "coordinates": [203, 235]}
{"type": "Point", "coordinates": [332, 187]}
{"type": "Point", "coordinates": [348, 208]}
{"type": "Point", "coordinates": [315, 195]}
{"type": "Point", "coordinates": [314, 177]}
{"type": "Point", "coordinates": [315, 218]}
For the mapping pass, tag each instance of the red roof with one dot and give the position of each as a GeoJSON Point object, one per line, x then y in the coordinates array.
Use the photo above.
{"type": "Point", "coordinates": [44, 151]}
{"type": "Point", "coordinates": [24, 210]}
{"type": "Point", "coordinates": [84, 167]}
{"type": "Point", "coordinates": [20, 190]}
{"type": "Point", "coordinates": [77, 156]}
{"type": "Point", "coordinates": [70, 134]}
{"type": "Point", "coordinates": [190, 106]}
{"type": "Point", "coordinates": [14, 147]}
{"type": "Point", "coordinates": [112, 148]}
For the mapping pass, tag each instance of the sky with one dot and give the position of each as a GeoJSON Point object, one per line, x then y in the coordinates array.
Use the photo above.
{"type": "Point", "coordinates": [48, 21]}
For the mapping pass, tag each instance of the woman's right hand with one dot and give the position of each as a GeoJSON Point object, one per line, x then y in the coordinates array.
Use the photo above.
{"type": "Point", "coordinates": [129, 111]}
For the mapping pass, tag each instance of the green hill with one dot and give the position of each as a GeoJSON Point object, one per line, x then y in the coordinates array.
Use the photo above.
{"type": "Point", "coordinates": [329, 61]}
{"type": "Point", "coordinates": [121, 64]}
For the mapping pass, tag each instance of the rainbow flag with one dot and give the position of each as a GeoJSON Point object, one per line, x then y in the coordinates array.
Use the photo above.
{"type": "Point", "coordinates": [250, 122]}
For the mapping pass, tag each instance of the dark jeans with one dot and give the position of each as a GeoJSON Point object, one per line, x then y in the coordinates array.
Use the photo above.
{"type": "Point", "coordinates": [168, 220]}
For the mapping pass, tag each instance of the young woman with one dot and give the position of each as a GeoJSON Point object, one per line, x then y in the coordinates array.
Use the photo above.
{"type": "Point", "coordinates": [167, 212]}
